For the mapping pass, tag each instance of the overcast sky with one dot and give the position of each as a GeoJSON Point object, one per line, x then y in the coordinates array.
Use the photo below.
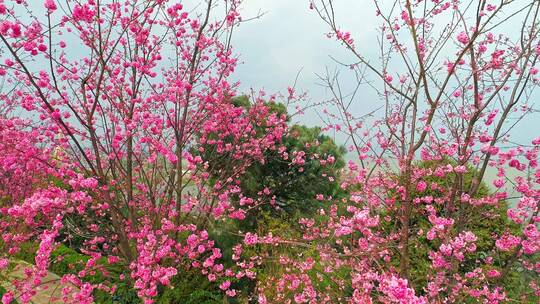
{"type": "Point", "coordinates": [287, 38]}
{"type": "Point", "coordinates": [290, 38]}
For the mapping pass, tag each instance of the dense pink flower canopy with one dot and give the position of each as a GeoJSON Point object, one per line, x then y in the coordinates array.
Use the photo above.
{"type": "Point", "coordinates": [108, 133]}
{"type": "Point", "coordinates": [112, 114]}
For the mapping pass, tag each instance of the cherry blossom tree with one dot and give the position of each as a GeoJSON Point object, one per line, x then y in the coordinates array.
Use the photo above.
{"type": "Point", "coordinates": [104, 104]}
{"type": "Point", "coordinates": [453, 78]}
